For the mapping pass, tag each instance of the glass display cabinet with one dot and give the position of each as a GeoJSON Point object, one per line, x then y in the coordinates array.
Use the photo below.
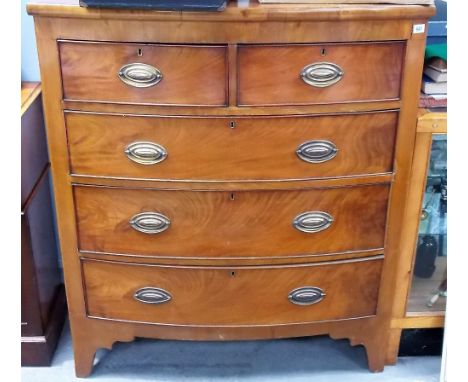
{"type": "Point", "coordinates": [429, 285]}
{"type": "Point", "coordinates": [422, 277]}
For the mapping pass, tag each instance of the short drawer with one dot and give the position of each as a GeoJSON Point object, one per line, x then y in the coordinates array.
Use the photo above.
{"type": "Point", "coordinates": [231, 149]}
{"type": "Point", "coordinates": [231, 296]}
{"type": "Point", "coordinates": [144, 73]}
{"type": "Point", "coordinates": [316, 74]}
{"type": "Point", "coordinates": [219, 224]}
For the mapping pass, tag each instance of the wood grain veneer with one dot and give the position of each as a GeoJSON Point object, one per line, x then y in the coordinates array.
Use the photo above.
{"type": "Point", "coordinates": [231, 148]}
{"type": "Point", "coordinates": [270, 75]}
{"type": "Point", "coordinates": [192, 75]}
{"type": "Point", "coordinates": [211, 224]}
{"type": "Point", "coordinates": [249, 55]}
{"type": "Point", "coordinates": [236, 11]}
{"type": "Point", "coordinates": [231, 296]}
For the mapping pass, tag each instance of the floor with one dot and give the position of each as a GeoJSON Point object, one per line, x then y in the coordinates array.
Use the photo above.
{"type": "Point", "coordinates": [317, 359]}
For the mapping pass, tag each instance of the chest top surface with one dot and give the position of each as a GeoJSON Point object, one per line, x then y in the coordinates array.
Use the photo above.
{"type": "Point", "coordinates": [244, 10]}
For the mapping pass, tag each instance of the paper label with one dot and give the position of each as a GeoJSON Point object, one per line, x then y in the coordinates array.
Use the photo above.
{"type": "Point", "coordinates": [419, 28]}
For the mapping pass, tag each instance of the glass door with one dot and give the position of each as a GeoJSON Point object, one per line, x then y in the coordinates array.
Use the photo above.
{"type": "Point", "coordinates": [429, 287]}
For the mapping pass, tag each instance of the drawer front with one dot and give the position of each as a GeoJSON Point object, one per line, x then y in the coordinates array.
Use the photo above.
{"type": "Point", "coordinates": [234, 296]}
{"type": "Point", "coordinates": [144, 73]}
{"type": "Point", "coordinates": [231, 149]}
{"type": "Point", "coordinates": [215, 224]}
{"type": "Point", "coordinates": [314, 74]}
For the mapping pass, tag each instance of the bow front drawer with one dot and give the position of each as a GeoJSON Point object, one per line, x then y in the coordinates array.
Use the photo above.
{"type": "Point", "coordinates": [317, 74]}
{"type": "Point", "coordinates": [144, 73]}
{"type": "Point", "coordinates": [219, 224]}
{"type": "Point", "coordinates": [231, 148]}
{"type": "Point", "coordinates": [231, 296]}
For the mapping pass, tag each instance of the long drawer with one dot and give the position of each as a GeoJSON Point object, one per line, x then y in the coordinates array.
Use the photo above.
{"type": "Point", "coordinates": [231, 148]}
{"type": "Point", "coordinates": [231, 296]}
{"type": "Point", "coordinates": [305, 74]}
{"type": "Point", "coordinates": [215, 224]}
{"type": "Point", "coordinates": [144, 73]}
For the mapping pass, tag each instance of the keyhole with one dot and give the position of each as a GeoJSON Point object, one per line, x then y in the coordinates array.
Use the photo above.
{"type": "Point", "coordinates": [322, 52]}
{"type": "Point", "coordinates": [232, 197]}
{"type": "Point", "coordinates": [140, 52]}
{"type": "Point", "coordinates": [232, 273]}
{"type": "Point", "coordinates": [232, 124]}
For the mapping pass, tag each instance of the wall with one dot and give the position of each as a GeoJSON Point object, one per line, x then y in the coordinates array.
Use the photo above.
{"type": "Point", "coordinates": [29, 62]}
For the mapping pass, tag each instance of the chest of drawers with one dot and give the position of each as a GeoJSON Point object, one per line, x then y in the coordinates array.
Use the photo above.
{"type": "Point", "coordinates": [233, 175]}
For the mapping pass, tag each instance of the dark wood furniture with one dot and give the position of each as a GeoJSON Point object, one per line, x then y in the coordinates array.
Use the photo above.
{"type": "Point", "coordinates": [232, 175]}
{"type": "Point", "coordinates": [43, 304]}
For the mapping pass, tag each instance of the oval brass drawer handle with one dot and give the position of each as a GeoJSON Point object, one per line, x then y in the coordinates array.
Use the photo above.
{"type": "Point", "coordinates": [321, 74]}
{"type": "Point", "coordinates": [313, 221]}
{"type": "Point", "coordinates": [140, 75]}
{"type": "Point", "coordinates": [317, 151]}
{"type": "Point", "coordinates": [150, 222]}
{"type": "Point", "coordinates": [150, 295]}
{"type": "Point", "coordinates": [306, 295]}
{"type": "Point", "coordinates": [146, 153]}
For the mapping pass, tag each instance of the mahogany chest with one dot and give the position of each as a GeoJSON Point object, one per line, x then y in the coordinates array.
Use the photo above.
{"type": "Point", "coordinates": [231, 175]}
